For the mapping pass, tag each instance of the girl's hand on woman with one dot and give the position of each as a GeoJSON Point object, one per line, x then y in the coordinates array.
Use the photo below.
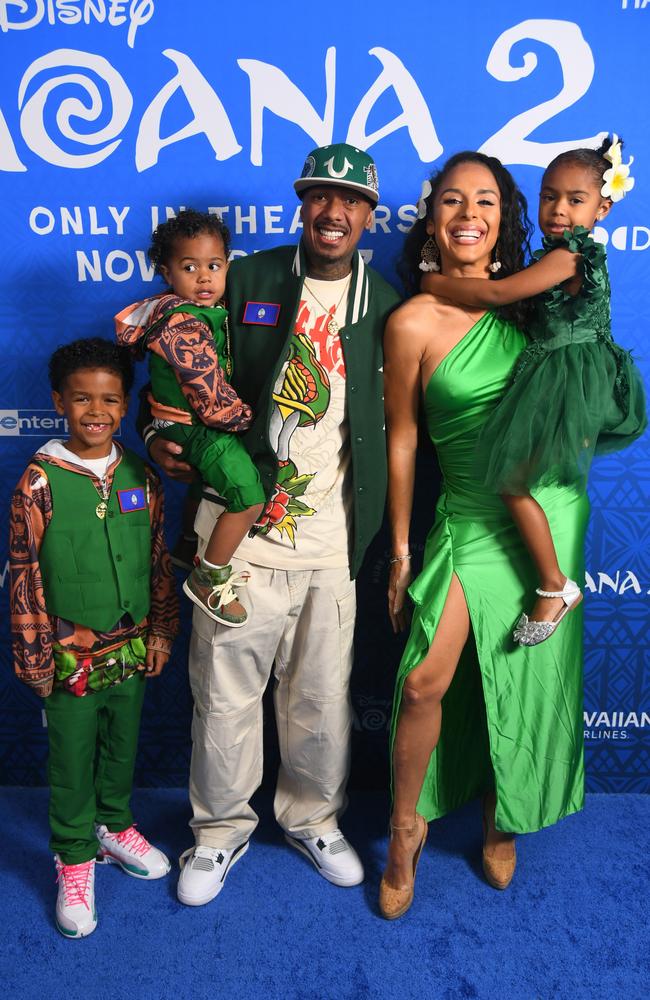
{"type": "Point", "coordinates": [398, 582]}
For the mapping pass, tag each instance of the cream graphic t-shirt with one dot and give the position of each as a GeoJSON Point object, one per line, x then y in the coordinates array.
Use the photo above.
{"type": "Point", "coordinates": [305, 524]}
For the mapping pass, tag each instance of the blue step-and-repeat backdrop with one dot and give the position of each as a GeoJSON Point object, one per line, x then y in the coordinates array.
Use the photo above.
{"type": "Point", "coordinates": [116, 113]}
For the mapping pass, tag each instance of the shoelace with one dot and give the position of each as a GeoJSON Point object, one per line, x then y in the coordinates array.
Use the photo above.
{"type": "Point", "coordinates": [224, 591]}
{"type": "Point", "coordinates": [132, 840]}
{"type": "Point", "coordinates": [76, 882]}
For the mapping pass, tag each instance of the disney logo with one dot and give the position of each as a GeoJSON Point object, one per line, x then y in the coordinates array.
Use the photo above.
{"type": "Point", "coordinates": [18, 15]}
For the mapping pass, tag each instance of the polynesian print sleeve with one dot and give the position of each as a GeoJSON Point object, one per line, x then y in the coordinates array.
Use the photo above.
{"type": "Point", "coordinates": [187, 345]}
{"type": "Point", "coordinates": [163, 614]}
{"type": "Point", "coordinates": [31, 512]}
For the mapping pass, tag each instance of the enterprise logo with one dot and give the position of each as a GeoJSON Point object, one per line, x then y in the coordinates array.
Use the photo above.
{"type": "Point", "coordinates": [31, 423]}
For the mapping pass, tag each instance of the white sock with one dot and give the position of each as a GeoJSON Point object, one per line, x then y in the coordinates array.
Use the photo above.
{"type": "Point", "coordinates": [209, 565]}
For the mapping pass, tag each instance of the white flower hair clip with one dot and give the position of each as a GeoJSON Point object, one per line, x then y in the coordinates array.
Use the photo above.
{"type": "Point", "coordinates": [617, 180]}
{"type": "Point", "coordinates": [421, 203]}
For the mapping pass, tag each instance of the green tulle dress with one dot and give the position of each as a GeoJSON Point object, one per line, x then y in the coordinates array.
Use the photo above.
{"type": "Point", "coordinates": [574, 392]}
{"type": "Point", "coordinates": [512, 715]}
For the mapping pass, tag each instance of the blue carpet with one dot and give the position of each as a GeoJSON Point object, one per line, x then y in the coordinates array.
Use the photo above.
{"type": "Point", "coordinates": [573, 924]}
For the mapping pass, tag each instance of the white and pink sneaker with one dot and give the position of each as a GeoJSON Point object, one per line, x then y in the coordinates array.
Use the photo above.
{"type": "Point", "coordinates": [132, 852]}
{"type": "Point", "coordinates": [76, 916]}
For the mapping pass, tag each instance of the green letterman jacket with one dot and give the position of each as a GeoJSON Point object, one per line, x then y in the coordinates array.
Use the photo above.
{"type": "Point", "coordinates": [274, 278]}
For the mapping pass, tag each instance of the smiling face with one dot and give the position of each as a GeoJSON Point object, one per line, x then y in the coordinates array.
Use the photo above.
{"type": "Point", "coordinates": [333, 220]}
{"type": "Point", "coordinates": [197, 269]}
{"type": "Point", "coordinates": [570, 196]}
{"type": "Point", "coordinates": [93, 401]}
{"type": "Point", "coordinates": [466, 219]}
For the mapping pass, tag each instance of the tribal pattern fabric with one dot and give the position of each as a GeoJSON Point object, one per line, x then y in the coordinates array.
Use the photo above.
{"type": "Point", "coordinates": [34, 632]}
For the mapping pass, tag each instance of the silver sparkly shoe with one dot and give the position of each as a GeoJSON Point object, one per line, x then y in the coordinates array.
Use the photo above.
{"type": "Point", "coordinates": [531, 633]}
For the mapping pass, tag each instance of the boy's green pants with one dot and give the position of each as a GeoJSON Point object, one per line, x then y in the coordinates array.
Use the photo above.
{"type": "Point", "coordinates": [93, 742]}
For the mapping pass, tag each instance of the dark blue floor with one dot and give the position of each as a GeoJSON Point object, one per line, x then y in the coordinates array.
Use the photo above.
{"type": "Point", "coordinates": [573, 924]}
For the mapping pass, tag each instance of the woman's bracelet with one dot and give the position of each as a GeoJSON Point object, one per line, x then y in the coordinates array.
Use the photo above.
{"type": "Point", "coordinates": [394, 559]}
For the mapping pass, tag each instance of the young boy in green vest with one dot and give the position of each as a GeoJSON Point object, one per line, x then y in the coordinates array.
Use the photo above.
{"type": "Point", "coordinates": [93, 612]}
{"type": "Point", "coordinates": [185, 335]}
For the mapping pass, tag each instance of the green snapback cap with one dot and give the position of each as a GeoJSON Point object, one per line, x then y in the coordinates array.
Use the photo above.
{"type": "Point", "coordinates": [343, 165]}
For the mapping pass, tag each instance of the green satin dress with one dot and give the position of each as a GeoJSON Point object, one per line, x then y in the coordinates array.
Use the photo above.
{"type": "Point", "coordinates": [512, 716]}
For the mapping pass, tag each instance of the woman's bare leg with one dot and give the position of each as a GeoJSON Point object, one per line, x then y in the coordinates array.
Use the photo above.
{"type": "Point", "coordinates": [418, 730]}
{"type": "Point", "coordinates": [533, 526]}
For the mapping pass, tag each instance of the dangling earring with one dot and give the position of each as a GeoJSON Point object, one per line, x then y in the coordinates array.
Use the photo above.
{"type": "Point", "coordinates": [430, 255]}
{"type": "Point", "coordinates": [496, 263]}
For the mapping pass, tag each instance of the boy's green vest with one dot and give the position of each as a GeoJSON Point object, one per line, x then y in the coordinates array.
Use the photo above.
{"type": "Point", "coordinates": [164, 384]}
{"type": "Point", "coordinates": [95, 571]}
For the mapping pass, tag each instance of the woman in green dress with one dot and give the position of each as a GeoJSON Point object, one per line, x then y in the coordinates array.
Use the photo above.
{"type": "Point", "coordinates": [474, 713]}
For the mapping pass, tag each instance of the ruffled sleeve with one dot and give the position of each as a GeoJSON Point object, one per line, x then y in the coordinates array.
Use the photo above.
{"type": "Point", "coordinates": [594, 269]}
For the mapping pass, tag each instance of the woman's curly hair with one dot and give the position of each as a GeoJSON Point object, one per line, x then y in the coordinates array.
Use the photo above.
{"type": "Point", "coordinates": [186, 225]}
{"type": "Point", "coordinates": [514, 232]}
{"type": "Point", "coordinates": [91, 353]}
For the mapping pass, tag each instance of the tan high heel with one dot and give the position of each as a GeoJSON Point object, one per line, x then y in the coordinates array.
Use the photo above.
{"type": "Point", "coordinates": [393, 903]}
{"type": "Point", "coordinates": [497, 871]}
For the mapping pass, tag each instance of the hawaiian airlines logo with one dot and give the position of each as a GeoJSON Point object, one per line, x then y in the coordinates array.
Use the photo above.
{"type": "Point", "coordinates": [614, 726]}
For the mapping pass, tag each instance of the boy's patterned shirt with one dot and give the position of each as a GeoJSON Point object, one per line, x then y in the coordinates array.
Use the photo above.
{"type": "Point", "coordinates": [34, 632]}
{"type": "Point", "coordinates": [187, 345]}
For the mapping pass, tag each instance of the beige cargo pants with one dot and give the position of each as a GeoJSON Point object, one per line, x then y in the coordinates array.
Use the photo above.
{"type": "Point", "coordinates": [301, 627]}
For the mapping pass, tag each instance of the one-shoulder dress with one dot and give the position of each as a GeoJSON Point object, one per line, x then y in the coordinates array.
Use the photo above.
{"type": "Point", "coordinates": [512, 715]}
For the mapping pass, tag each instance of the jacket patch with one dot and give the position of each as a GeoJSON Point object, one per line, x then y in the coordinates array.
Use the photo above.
{"type": "Point", "coordinates": [261, 313]}
{"type": "Point", "coordinates": [130, 500]}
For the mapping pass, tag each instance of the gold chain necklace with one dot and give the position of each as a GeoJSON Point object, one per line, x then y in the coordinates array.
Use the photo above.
{"type": "Point", "coordinates": [332, 325]}
{"type": "Point", "coordinates": [226, 333]}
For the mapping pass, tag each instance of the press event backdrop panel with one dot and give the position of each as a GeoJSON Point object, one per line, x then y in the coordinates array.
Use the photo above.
{"type": "Point", "coordinates": [114, 114]}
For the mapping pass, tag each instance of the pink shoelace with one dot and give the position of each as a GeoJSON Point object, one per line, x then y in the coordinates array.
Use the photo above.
{"type": "Point", "coordinates": [132, 840]}
{"type": "Point", "coordinates": [76, 882]}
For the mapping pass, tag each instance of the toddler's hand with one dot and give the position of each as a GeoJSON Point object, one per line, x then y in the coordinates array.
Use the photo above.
{"type": "Point", "coordinates": [155, 661]}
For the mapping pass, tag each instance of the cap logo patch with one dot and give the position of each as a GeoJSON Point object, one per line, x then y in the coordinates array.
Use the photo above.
{"type": "Point", "coordinates": [309, 167]}
{"type": "Point", "coordinates": [347, 166]}
{"type": "Point", "coordinates": [372, 179]}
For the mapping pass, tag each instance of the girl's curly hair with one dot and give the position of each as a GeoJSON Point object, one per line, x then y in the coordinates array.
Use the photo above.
{"type": "Point", "coordinates": [185, 225]}
{"type": "Point", "coordinates": [593, 159]}
{"type": "Point", "coordinates": [514, 232]}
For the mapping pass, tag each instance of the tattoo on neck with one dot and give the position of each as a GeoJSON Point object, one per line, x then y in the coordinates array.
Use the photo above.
{"type": "Point", "coordinates": [329, 271]}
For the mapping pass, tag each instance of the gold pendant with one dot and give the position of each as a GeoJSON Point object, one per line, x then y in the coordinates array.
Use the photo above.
{"type": "Point", "coordinates": [100, 509]}
{"type": "Point", "coordinates": [332, 326]}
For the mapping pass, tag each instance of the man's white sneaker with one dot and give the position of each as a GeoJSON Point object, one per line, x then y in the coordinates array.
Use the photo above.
{"type": "Point", "coordinates": [76, 916]}
{"type": "Point", "coordinates": [335, 859]}
{"type": "Point", "coordinates": [203, 872]}
{"type": "Point", "coordinates": [132, 852]}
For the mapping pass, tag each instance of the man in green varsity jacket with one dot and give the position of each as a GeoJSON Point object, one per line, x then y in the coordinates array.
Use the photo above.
{"type": "Point", "coordinates": [306, 325]}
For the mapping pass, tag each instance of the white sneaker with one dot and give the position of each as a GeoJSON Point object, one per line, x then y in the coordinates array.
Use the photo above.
{"type": "Point", "coordinates": [132, 852]}
{"type": "Point", "coordinates": [335, 859]}
{"type": "Point", "coordinates": [76, 916]}
{"type": "Point", "coordinates": [203, 872]}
